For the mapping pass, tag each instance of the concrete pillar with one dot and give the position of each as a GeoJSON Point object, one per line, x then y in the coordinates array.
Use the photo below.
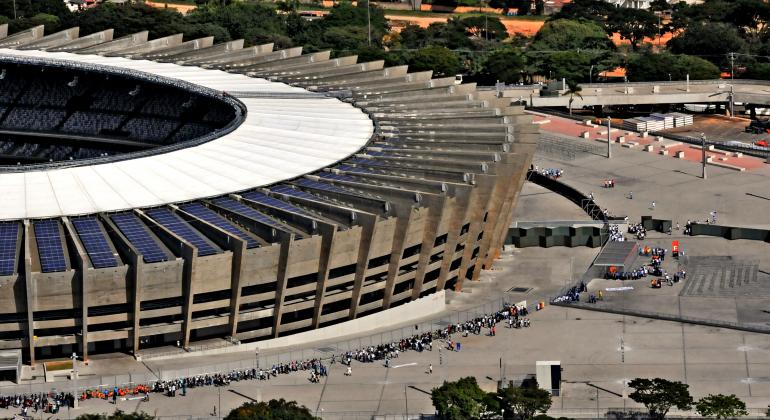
{"type": "Point", "coordinates": [459, 209]}
{"type": "Point", "coordinates": [368, 227]}
{"type": "Point", "coordinates": [436, 205]}
{"type": "Point", "coordinates": [328, 232]}
{"type": "Point", "coordinates": [397, 251]}
{"type": "Point", "coordinates": [238, 247]}
{"type": "Point", "coordinates": [190, 255]}
{"type": "Point", "coordinates": [30, 291]}
{"type": "Point", "coordinates": [81, 264]}
{"type": "Point", "coordinates": [478, 206]}
{"type": "Point", "coordinates": [287, 240]}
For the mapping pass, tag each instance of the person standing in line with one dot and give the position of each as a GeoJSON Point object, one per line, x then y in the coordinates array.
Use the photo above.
{"type": "Point", "coordinates": [430, 369]}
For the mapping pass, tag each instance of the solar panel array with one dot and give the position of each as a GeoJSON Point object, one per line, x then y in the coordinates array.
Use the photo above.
{"type": "Point", "coordinates": [322, 186]}
{"type": "Point", "coordinates": [136, 233]}
{"type": "Point", "coordinates": [9, 234]}
{"type": "Point", "coordinates": [261, 198]}
{"type": "Point", "coordinates": [293, 192]}
{"type": "Point", "coordinates": [250, 212]}
{"type": "Point", "coordinates": [49, 246]}
{"type": "Point", "coordinates": [370, 162]}
{"type": "Point", "coordinates": [181, 228]}
{"type": "Point", "coordinates": [336, 177]}
{"type": "Point", "coordinates": [349, 168]}
{"type": "Point", "coordinates": [97, 247]}
{"type": "Point", "coordinates": [208, 215]}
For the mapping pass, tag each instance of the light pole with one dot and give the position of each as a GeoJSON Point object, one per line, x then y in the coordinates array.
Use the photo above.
{"type": "Point", "coordinates": [75, 377]}
{"type": "Point", "coordinates": [590, 74]}
{"type": "Point", "coordinates": [703, 154]}
{"type": "Point", "coordinates": [257, 358]}
{"type": "Point", "coordinates": [369, 23]}
{"type": "Point", "coordinates": [609, 136]}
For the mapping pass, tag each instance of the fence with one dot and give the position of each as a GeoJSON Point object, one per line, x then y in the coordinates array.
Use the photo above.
{"type": "Point", "coordinates": [565, 148]}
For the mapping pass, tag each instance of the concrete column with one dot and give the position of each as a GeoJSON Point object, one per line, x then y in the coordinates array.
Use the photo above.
{"type": "Point", "coordinates": [368, 225]}
{"type": "Point", "coordinates": [30, 291]}
{"type": "Point", "coordinates": [287, 240]}
{"type": "Point", "coordinates": [397, 251]}
{"type": "Point", "coordinates": [81, 264]}
{"type": "Point", "coordinates": [135, 277]}
{"type": "Point", "coordinates": [523, 161]}
{"type": "Point", "coordinates": [328, 233]}
{"type": "Point", "coordinates": [436, 205]}
{"type": "Point", "coordinates": [478, 206]}
{"type": "Point", "coordinates": [190, 255]}
{"type": "Point", "coordinates": [238, 247]}
{"type": "Point", "coordinates": [503, 182]}
{"type": "Point", "coordinates": [459, 209]}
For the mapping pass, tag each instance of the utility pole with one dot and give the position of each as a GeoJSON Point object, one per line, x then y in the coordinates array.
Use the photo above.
{"type": "Point", "coordinates": [703, 151]}
{"type": "Point", "coordinates": [609, 136]}
{"type": "Point", "coordinates": [732, 66]}
{"type": "Point", "coordinates": [14, 9]}
{"type": "Point", "coordinates": [369, 22]}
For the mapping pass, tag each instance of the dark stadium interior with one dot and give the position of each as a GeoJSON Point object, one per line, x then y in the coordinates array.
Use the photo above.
{"type": "Point", "coordinates": [51, 114]}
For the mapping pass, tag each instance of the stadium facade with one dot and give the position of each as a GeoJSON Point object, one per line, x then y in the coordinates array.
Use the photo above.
{"type": "Point", "coordinates": [163, 190]}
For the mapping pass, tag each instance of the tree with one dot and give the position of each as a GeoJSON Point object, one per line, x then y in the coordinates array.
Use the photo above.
{"type": "Point", "coordinates": [525, 401]}
{"type": "Point", "coordinates": [505, 65]}
{"type": "Point", "coordinates": [488, 28]}
{"type": "Point", "coordinates": [441, 60]}
{"type": "Point", "coordinates": [573, 89]}
{"type": "Point", "coordinates": [758, 71]}
{"type": "Point", "coordinates": [649, 66]}
{"type": "Point", "coordinates": [117, 415]}
{"type": "Point", "coordinates": [660, 395]}
{"type": "Point", "coordinates": [721, 406]}
{"type": "Point", "coordinates": [562, 34]}
{"type": "Point", "coordinates": [271, 410]}
{"type": "Point", "coordinates": [632, 25]}
{"type": "Point", "coordinates": [586, 10]}
{"type": "Point", "coordinates": [713, 41]}
{"type": "Point", "coordinates": [459, 400]}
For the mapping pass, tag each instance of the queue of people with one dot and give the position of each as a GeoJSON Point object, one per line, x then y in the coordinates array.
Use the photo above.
{"type": "Point", "coordinates": [514, 316]}
{"type": "Point", "coordinates": [40, 402]}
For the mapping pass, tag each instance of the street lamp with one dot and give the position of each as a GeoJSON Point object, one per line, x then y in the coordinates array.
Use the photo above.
{"type": "Point", "coordinates": [703, 154]}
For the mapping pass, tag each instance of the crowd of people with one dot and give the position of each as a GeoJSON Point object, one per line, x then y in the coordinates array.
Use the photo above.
{"type": "Point", "coordinates": [41, 402]}
{"type": "Point", "coordinates": [638, 230]}
{"type": "Point", "coordinates": [615, 234]}
{"type": "Point", "coordinates": [554, 173]}
{"type": "Point", "coordinates": [512, 315]}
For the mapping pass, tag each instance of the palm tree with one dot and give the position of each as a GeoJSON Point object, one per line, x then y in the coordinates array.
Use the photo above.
{"type": "Point", "coordinates": [573, 89]}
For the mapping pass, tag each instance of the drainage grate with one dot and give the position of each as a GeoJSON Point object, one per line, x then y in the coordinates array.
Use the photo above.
{"type": "Point", "coordinates": [519, 289]}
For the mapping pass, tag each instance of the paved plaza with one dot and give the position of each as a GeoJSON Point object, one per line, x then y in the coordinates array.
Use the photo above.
{"type": "Point", "coordinates": [599, 352]}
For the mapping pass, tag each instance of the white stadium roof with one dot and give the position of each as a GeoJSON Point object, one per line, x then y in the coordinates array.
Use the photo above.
{"type": "Point", "coordinates": [281, 138]}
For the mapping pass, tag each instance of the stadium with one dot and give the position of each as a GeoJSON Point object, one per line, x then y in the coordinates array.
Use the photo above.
{"type": "Point", "coordinates": [169, 190]}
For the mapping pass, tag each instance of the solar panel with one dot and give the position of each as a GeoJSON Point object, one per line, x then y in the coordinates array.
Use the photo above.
{"type": "Point", "coordinates": [208, 215]}
{"type": "Point", "coordinates": [250, 212]}
{"type": "Point", "coordinates": [49, 246]}
{"type": "Point", "coordinates": [322, 186]}
{"type": "Point", "coordinates": [97, 247]}
{"type": "Point", "coordinates": [136, 233]}
{"type": "Point", "coordinates": [370, 162]}
{"type": "Point", "coordinates": [293, 192]}
{"type": "Point", "coordinates": [181, 228]}
{"type": "Point", "coordinates": [9, 234]}
{"type": "Point", "coordinates": [261, 198]}
{"type": "Point", "coordinates": [336, 177]}
{"type": "Point", "coordinates": [348, 168]}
